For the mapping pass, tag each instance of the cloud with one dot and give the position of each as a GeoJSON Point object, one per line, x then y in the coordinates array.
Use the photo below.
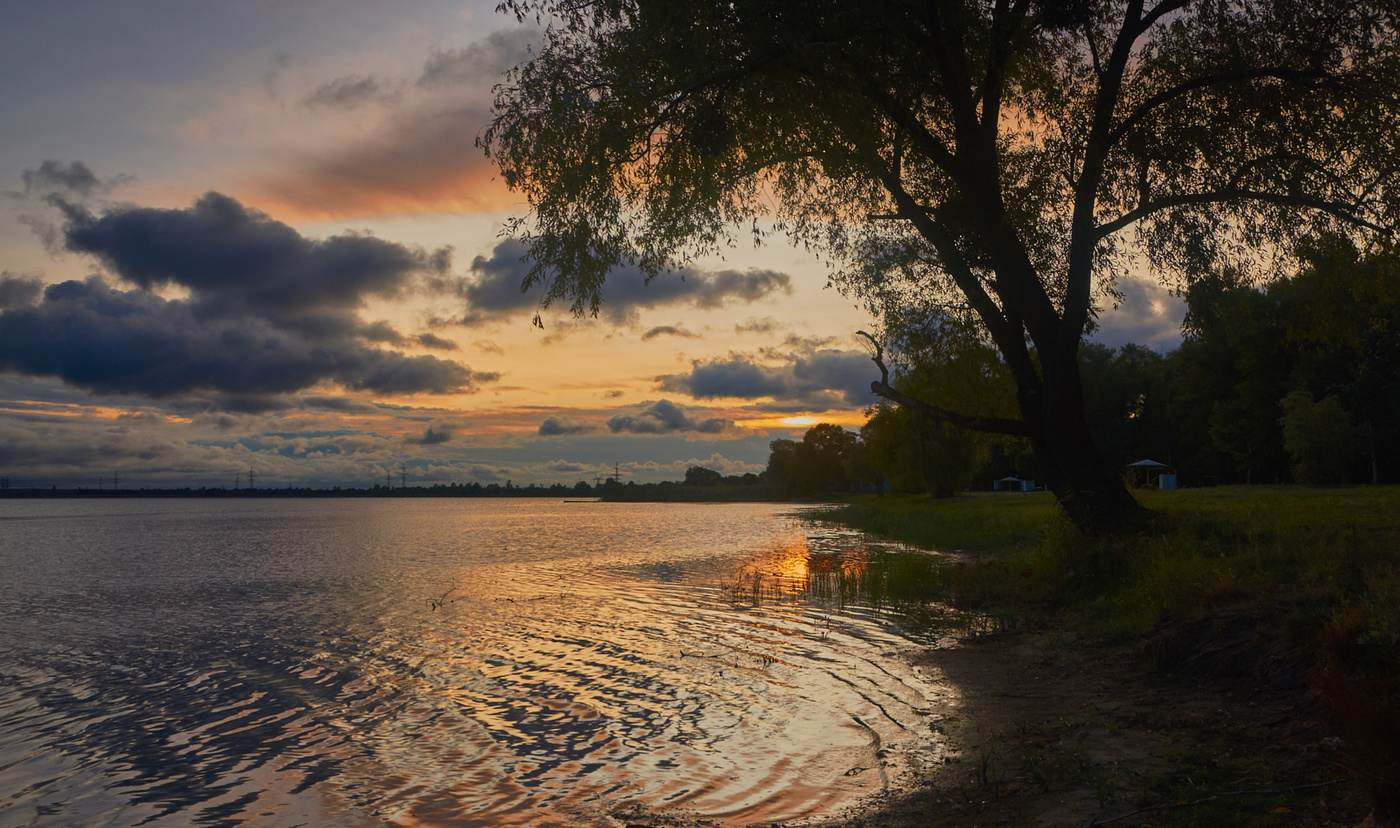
{"type": "Point", "coordinates": [479, 64]}
{"type": "Point", "coordinates": [268, 311]}
{"type": "Point", "coordinates": [565, 467]}
{"type": "Point", "coordinates": [352, 93]}
{"type": "Point", "coordinates": [18, 291]}
{"type": "Point", "coordinates": [431, 340]}
{"type": "Point", "coordinates": [665, 417]}
{"type": "Point", "coordinates": [1148, 315]}
{"type": "Point", "coordinates": [382, 332]}
{"type": "Point", "coordinates": [669, 330]}
{"type": "Point", "coordinates": [767, 325]}
{"type": "Point", "coordinates": [494, 290]}
{"type": "Point", "coordinates": [73, 179]}
{"type": "Point", "coordinates": [419, 159]}
{"type": "Point", "coordinates": [558, 426]}
{"type": "Point", "coordinates": [135, 342]}
{"type": "Point", "coordinates": [435, 434]}
{"type": "Point", "coordinates": [236, 261]}
{"type": "Point", "coordinates": [820, 379]}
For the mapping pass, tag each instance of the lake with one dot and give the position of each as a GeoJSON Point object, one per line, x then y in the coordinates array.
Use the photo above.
{"type": "Point", "coordinates": [456, 662]}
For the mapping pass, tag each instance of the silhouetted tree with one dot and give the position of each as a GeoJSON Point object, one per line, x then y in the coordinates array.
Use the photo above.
{"type": "Point", "coordinates": [986, 158]}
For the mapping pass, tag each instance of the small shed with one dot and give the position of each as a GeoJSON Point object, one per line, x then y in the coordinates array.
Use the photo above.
{"type": "Point", "coordinates": [1007, 484]}
{"type": "Point", "coordinates": [1149, 473]}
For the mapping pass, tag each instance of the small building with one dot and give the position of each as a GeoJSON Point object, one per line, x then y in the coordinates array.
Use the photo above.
{"type": "Point", "coordinates": [1149, 473]}
{"type": "Point", "coordinates": [1007, 484]}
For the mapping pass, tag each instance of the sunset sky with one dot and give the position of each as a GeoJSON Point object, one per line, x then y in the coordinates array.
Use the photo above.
{"type": "Point", "coordinates": [257, 235]}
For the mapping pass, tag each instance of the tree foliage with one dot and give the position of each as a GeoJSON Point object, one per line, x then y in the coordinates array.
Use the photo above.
{"type": "Point", "coordinates": [1000, 162]}
{"type": "Point", "coordinates": [1330, 331]}
{"type": "Point", "coordinates": [1319, 436]}
{"type": "Point", "coordinates": [827, 459]}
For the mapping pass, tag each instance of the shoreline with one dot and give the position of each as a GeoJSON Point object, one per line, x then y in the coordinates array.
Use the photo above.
{"type": "Point", "coordinates": [1051, 732]}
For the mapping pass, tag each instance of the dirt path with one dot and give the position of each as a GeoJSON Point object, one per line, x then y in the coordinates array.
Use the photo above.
{"type": "Point", "coordinates": [1042, 731]}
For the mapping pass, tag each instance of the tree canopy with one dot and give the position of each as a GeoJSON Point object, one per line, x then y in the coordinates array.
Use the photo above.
{"type": "Point", "coordinates": [997, 163]}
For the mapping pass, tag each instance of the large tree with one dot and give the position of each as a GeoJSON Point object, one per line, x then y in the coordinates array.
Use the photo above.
{"type": "Point", "coordinates": [998, 162]}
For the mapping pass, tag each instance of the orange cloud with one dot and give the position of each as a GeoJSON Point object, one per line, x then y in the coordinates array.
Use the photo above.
{"type": "Point", "coordinates": [347, 188]}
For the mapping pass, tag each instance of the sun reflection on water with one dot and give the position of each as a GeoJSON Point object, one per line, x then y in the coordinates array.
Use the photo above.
{"type": "Point", "coordinates": [580, 660]}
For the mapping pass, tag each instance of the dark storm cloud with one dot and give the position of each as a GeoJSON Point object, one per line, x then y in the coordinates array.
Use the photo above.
{"type": "Point", "coordinates": [665, 417]}
{"type": "Point", "coordinates": [239, 261]}
{"type": "Point", "coordinates": [817, 379]}
{"type": "Point", "coordinates": [352, 93]}
{"type": "Point", "coordinates": [558, 426]}
{"type": "Point", "coordinates": [494, 292]}
{"type": "Point", "coordinates": [135, 342]}
{"type": "Point", "coordinates": [18, 291]}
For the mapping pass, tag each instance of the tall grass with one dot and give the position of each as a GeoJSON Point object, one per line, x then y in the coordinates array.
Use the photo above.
{"type": "Point", "coordinates": [1206, 548]}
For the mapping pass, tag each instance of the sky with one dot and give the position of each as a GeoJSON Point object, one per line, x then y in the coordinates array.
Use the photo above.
{"type": "Point", "coordinates": [256, 236]}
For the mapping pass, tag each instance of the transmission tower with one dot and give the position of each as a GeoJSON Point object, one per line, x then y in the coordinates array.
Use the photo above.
{"type": "Point", "coordinates": [252, 479]}
{"type": "Point", "coordinates": [403, 476]}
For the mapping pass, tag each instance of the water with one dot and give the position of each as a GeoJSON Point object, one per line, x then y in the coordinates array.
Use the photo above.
{"type": "Point", "coordinates": [436, 662]}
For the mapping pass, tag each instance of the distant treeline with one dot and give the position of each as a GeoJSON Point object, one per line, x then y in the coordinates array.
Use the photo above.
{"type": "Point", "coordinates": [580, 489]}
{"type": "Point", "coordinates": [700, 485]}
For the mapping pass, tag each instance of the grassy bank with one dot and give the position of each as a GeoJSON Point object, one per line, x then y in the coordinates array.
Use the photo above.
{"type": "Point", "coordinates": [1248, 593]}
{"type": "Point", "coordinates": [1206, 549]}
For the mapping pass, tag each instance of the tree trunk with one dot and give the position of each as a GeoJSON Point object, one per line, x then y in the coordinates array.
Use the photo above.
{"type": "Point", "coordinates": [1093, 495]}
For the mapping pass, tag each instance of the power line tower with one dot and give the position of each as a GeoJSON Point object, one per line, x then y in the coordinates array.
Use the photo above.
{"type": "Point", "coordinates": [116, 480]}
{"type": "Point", "coordinates": [403, 476]}
{"type": "Point", "coordinates": [237, 478]}
{"type": "Point", "coordinates": [252, 479]}
{"type": "Point", "coordinates": [389, 479]}
{"type": "Point", "coordinates": [617, 473]}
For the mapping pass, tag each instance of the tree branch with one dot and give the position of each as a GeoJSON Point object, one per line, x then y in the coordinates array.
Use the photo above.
{"type": "Point", "coordinates": [987, 425]}
{"type": "Point", "coordinates": [1205, 81]}
{"type": "Point", "coordinates": [1332, 208]}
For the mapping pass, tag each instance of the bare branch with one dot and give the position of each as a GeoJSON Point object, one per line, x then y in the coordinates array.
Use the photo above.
{"type": "Point", "coordinates": [986, 425]}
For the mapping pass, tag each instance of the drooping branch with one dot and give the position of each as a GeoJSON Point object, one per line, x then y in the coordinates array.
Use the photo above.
{"type": "Point", "coordinates": [1336, 209]}
{"type": "Point", "coordinates": [987, 425]}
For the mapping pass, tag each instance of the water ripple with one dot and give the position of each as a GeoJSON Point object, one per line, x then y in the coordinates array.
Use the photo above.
{"type": "Point", "coordinates": [215, 674]}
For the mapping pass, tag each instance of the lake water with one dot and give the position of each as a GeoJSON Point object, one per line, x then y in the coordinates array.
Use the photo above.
{"type": "Point", "coordinates": [438, 662]}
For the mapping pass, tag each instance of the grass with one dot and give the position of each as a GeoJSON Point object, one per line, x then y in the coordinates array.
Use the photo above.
{"type": "Point", "coordinates": [1247, 583]}
{"type": "Point", "coordinates": [1205, 550]}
